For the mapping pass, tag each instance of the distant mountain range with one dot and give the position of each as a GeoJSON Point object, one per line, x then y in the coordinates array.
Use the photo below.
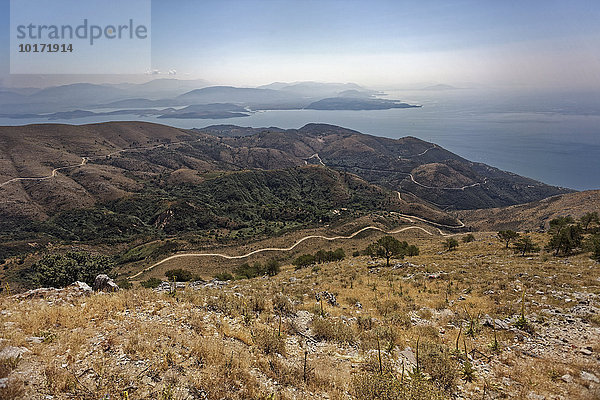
{"type": "Point", "coordinates": [88, 100]}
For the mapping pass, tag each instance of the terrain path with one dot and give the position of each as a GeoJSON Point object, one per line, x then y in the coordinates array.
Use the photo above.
{"type": "Point", "coordinates": [84, 161]}
{"type": "Point", "coordinates": [266, 249]}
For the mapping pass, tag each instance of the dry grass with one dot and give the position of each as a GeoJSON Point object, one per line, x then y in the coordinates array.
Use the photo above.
{"type": "Point", "coordinates": [249, 340]}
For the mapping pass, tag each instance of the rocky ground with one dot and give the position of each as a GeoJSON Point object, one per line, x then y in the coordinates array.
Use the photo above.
{"type": "Point", "coordinates": [475, 323]}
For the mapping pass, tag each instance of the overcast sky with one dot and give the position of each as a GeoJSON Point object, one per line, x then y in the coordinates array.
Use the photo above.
{"type": "Point", "coordinates": [532, 44]}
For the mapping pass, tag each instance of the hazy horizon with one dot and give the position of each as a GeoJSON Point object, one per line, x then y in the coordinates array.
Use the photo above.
{"type": "Point", "coordinates": [383, 44]}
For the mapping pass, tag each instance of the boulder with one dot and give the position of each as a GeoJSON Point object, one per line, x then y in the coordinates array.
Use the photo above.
{"type": "Point", "coordinates": [103, 283]}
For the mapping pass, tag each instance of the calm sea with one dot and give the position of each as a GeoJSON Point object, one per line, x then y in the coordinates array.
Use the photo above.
{"type": "Point", "coordinates": [552, 137]}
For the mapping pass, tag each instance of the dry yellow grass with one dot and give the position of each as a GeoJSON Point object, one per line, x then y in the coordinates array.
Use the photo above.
{"type": "Point", "coordinates": [249, 339]}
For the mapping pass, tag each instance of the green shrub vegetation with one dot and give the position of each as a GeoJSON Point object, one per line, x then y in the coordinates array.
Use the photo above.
{"type": "Point", "coordinates": [319, 257]}
{"type": "Point", "coordinates": [179, 275]}
{"type": "Point", "coordinates": [450, 244]}
{"type": "Point", "coordinates": [60, 270]}
{"type": "Point", "coordinates": [151, 283]}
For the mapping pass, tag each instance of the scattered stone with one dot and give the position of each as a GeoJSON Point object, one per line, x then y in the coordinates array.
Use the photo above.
{"type": "Point", "coordinates": [82, 286]}
{"type": "Point", "coordinates": [588, 376]}
{"type": "Point", "coordinates": [103, 283]}
{"type": "Point", "coordinates": [77, 289]}
{"type": "Point", "coordinates": [586, 351]}
{"type": "Point", "coordinates": [35, 339]}
{"type": "Point", "coordinates": [567, 378]}
{"type": "Point", "coordinates": [12, 352]}
{"type": "Point", "coordinates": [495, 323]}
{"type": "Point", "coordinates": [403, 265]}
{"type": "Point", "coordinates": [408, 356]}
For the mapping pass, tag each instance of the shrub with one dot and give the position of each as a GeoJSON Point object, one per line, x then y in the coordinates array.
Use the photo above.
{"type": "Point", "coordinates": [304, 260]}
{"type": "Point", "coordinates": [247, 271]}
{"type": "Point", "coordinates": [282, 305]}
{"type": "Point", "coordinates": [468, 238]}
{"type": "Point", "coordinates": [151, 283]}
{"type": "Point", "coordinates": [125, 284]}
{"type": "Point", "coordinates": [224, 276]}
{"type": "Point", "coordinates": [436, 360]}
{"type": "Point", "coordinates": [450, 244]}
{"type": "Point", "coordinates": [272, 267]}
{"type": "Point", "coordinates": [179, 275]}
{"type": "Point", "coordinates": [59, 270]}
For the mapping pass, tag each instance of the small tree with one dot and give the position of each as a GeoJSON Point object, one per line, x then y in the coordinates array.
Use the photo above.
{"type": "Point", "coordinates": [593, 245]}
{"type": "Point", "coordinates": [387, 247]}
{"type": "Point", "coordinates": [559, 223]}
{"type": "Point", "coordinates": [526, 245]}
{"type": "Point", "coordinates": [508, 236]}
{"type": "Point", "coordinates": [589, 218]}
{"type": "Point", "coordinates": [565, 239]}
{"type": "Point", "coordinates": [272, 267]}
{"type": "Point", "coordinates": [450, 244]}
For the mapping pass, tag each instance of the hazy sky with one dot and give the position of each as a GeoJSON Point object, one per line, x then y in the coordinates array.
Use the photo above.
{"type": "Point", "coordinates": [378, 43]}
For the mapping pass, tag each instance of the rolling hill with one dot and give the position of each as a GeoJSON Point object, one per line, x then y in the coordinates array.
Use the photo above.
{"type": "Point", "coordinates": [535, 215]}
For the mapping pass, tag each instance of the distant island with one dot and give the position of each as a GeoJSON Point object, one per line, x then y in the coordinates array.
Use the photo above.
{"type": "Point", "coordinates": [350, 103]}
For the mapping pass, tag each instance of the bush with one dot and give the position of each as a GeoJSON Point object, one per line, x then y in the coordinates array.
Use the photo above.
{"type": "Point", "coordinates": [468, 238]}
{"type": "Point", "coordinates": [272, 268]}
{"type": "Point", "coordinates": [304, 260]}
{"type": "Point", "coordinates": [412, 250]}
{"type": "Point", "coordinates": [224, 276]}
{"type": "Point", "coordinates": [60, 270]}
{"type": "Point", "coordinates": [450, 244]}
{"type": "Point", "coordinates": [247, 271]}
{"type": "Point", "coordinates": [151, 283]}
{"type": "Point", "coordinates": [323, 256]}
{"type": "Point", "coordinates": [179, 275]}
{"type": "Point", "coordinates": [124, 284]}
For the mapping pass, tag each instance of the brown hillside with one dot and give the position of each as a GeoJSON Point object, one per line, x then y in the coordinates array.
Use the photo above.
{"type": "Point", "coordinates": [535, 215]}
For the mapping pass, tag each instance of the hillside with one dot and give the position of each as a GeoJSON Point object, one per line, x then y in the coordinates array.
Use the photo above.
{"type": "Point", "coordinates": [124, 184]}
{"type": "Point", "coordinates": [445, 325]}
{"type": "Point", "coordinates": [532, 216]}
{"type": "Point", "coordinates": [121, 156]}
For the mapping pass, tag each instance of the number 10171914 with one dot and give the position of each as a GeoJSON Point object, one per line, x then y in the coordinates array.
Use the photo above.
{"type": "Point", "coordinates": [45, 48]}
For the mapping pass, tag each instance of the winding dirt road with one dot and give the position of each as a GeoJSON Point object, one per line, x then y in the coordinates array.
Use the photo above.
{"type": "Point", "coordinates": [84, 161]}
{"type": "Point", "coordinates": [410, 218]}
{"type": "Point", "coordinates": [229, 257]}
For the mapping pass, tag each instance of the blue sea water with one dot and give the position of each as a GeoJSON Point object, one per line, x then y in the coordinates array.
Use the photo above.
{"type": "Point", "coordinates": [552, 137]}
